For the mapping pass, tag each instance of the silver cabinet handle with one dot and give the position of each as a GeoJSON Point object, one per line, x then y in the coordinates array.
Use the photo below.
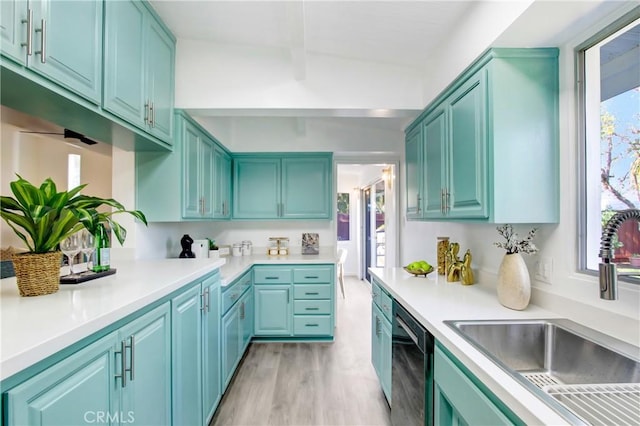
{"type": "Point", "coordinates": [208, 300]}
{"type": "Point", "coordinates": [311, 325]}
{"type": "Point", "coordinates": [418, 199]}
{"type": "Point", "coordinates": [311, 309]}
{"type": "Point", "coordinates": [377, 326]}
{"type": "Point", "coordinates": [242, 311]}
{"type": "Point", "coordinates": [133, 357]}
{"type": "Point", "coordinates": [447, 205]}
{"type": "Point", "coordinates": [311, 293]}
{"type": "Point", "coordinates": [442, 206]}
{"type": "Point", "coordinates": [123, 364]}
{"type": "Point", "coordinates": [311, 277]}
{"type": "Point", "coordinates": [29, 22]}
{"type": "Point", "coordinates": [43, 51]}
{"type": "Point", "coordinates": [288, 299]}
{"type": "Point", "coordinates": [203, 303]}
{"type": "Point", "coordinates": [152, 113]}
{"type": "Point", "coordinates": [147, 113]}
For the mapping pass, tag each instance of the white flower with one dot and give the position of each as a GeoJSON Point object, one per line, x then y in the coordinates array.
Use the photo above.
{"type": "Point", "coordinates": [512, 244]}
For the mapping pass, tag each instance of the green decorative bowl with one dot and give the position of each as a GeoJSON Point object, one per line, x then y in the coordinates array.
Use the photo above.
{"type": "Point", "coordinates": [419, 272]}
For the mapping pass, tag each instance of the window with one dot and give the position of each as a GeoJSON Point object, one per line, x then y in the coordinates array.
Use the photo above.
{"type": "Point", "coordinates": [73, 171]}
{"type": "Point", "coordinates": [343, 216]}
{"type": "Point", "coordinates": [610, 101]}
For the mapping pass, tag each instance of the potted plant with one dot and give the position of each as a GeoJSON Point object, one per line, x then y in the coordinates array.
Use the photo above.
{"type": "Point", "coordinates": [514, 283]}
{"type": "Point", "coordinates": [42, 217]}
{"type": "Point", "coordinates": [213, 249]}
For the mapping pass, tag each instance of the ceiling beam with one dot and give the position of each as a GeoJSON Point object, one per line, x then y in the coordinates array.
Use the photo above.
{"type": "Point", "coordinates": [295, 27]}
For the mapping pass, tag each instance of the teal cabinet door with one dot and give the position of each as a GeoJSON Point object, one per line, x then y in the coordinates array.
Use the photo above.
{"type": "Point", "coordinates": [256, 189]}
{"type": "Point", "coordinates": [67, 45]}
{"type": "Point", "coordinates": [139, 68]}
{"type": "Point", "coordinates": [467, 188]}
{"type": "Point", "coordinates": [435, 163]}
{"type": "Point", "coordinates": [306, 188]}
{"type": "Point", "coordinates": [376, 339]}
{"type": "Point", "coordinates": [124, 65]}
{"type": "Point", "coordinates": [192, 198]}
{"type": "Point", "coordinates": [186, 361]}
{"type": "Point", "coordinates": [222, 184]}
{"type": "Point", "coordinates": [160, 49]}
{"type": "Point", "coordinates": [211, 390]}
{"type": "Point", "coordinates": [206, 177]}
{"type": "Point", "coordinates": [70, 392]}
{"type": "Point", "coordinates": [457, 399]}
{"type": "Point", "coordinates": [147, 391]}
{"type": "Point", "coordinates": [413, 162]}
{"type": "Point", "coordinates": [13, 32]}
{"type": "Point", "coordinates": [230, 344]}
{"type": "Point", "coordinates": [385, 357]}
{"type": "Point", "coordinates": [273, 310]}
{"type": "Point", "coordinates": [246, 320]}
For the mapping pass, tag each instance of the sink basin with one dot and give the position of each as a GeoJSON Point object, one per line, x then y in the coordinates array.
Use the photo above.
{"type": "Point", "coordinates": [587, 376]}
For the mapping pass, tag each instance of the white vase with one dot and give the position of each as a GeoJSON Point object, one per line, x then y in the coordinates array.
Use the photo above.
{"type": "Point", "coordinates": [514, 283]}
{"type": "Point", "coordinates": [214, 254]}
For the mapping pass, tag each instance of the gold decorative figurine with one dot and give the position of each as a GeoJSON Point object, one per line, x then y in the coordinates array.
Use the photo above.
{"type": "Point", "coordinates": [453, 263]}
{"type": "Point", "coordinates": [466, 273]}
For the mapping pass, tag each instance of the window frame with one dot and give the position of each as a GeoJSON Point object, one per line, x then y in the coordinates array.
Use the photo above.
{"type": "Point", "coordinates": [580, 76]}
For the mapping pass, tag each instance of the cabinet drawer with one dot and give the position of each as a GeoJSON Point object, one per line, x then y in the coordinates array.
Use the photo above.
{"type": "Point", "coordinates": [312, 275]}
{"type": "Point", "coordinates": [376, 291]}
{"type": "Point", "coordinates": [245, 282]}
{"type": "Point", "coordinates": [385, 304]}
{"type": "Point", "coordinates": [311, 291]}
{"type": "Point", "coordinates": [311, 307]}
{"type": "Point", "coordinates": [271, 276]}
{"type": "Point", "coordinates": [312, 325]}
{"type": "Point", "coordinates": [231, 296]}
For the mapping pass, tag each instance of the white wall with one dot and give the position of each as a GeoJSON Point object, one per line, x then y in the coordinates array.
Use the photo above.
{"type": "Point", "coordinates": [560, 242]}
{"type": "Point", "coordinates": [36, 157]}
{"type": "Point", "coordinates": [163, 239]}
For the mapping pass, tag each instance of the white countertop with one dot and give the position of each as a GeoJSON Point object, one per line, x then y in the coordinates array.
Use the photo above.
{"type": "Point", "coordinates": [33, 328]}
{"type": "Point", "coordinates": [432, 300]}
{"type": "Point", "coordinates": [235, 266]}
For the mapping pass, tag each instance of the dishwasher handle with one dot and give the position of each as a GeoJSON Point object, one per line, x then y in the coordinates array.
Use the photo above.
{"type": "Point", "coordinates": [408, 330]}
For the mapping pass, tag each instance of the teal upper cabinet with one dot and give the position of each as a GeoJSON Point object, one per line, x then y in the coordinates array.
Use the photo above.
{"type": "Point", "coordinates": [197, 173]}
{"type": "Point", "coordinates": [61, 40]}
{"type": "Point", "coordinates": [413, 160]}
{"type": "Point", "coordinates": [13, 39]}
{"type": "Point", "coordinates": [306, 187]}
{"type": "Point", "coordinates": [187, 184]}
{"type": "Point", "coordinates": [139, 67]}
{"type": "Point", "coordinates": [490, 142]}
{"type": "Point", "coordinates": [282, 186]}
{"type": "Point", "coordinates": [256, 188]}
{"type": "Point", "coordinates": [222, 183]}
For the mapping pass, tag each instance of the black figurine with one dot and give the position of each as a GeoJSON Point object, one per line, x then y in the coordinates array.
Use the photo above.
{"type": "Point", "coordinates": [186, 242]}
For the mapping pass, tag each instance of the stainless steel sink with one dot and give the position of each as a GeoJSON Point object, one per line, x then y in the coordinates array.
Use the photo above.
{"type": "Point", "coordinates": [587, 376]}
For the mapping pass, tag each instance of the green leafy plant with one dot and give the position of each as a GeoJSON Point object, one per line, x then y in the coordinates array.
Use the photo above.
{"type": "Point", "coordinates": [212, 244]}
{"type": "Point", "coordinates": [514, 245]}
{"type": "Point", "coordinates": [42, 217]}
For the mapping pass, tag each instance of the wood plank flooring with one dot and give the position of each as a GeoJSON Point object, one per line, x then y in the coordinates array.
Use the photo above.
{"type": "Point", "coordinates": [311, 383]}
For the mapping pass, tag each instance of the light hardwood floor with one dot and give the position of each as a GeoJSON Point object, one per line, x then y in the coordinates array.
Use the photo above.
{"type": "Point", "coordinates": [311, 383]}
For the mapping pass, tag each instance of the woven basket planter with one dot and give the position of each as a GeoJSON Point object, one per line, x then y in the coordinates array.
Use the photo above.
{"type": "Point", "coordinates": [37, 273]}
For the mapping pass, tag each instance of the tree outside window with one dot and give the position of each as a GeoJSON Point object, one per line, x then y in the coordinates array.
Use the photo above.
{"type": "Point", "coordinates": [343, 216]}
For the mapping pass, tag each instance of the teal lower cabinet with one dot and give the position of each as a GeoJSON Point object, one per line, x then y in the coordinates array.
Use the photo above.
{"type": "Point", "coordinates": [294, 301]}
{"type": "Point", "coordinates": [195, 352]}
{"type": "Point", "coordinates": [97, 384]}
{"type": "Point", "coordinates": [460, 398]}
{"type": "Point", "coordinates": [235, 330]}
{"type": "Point", "coordinates": [381, 337]}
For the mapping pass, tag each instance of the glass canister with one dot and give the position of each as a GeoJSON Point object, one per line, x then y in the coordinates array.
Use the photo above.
{"type": "Point", "coordinates": [246, 248]}
{"type": "Point", "coordinates": [443, 248]}
{"type": "Point", "coordinates": [237, 249]}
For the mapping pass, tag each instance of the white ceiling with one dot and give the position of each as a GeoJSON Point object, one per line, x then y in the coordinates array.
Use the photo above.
{"type": "Point", "coordinates": [397, 32]}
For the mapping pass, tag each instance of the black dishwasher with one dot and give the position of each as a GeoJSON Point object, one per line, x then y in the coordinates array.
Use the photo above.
{"type": "Point", "coordinates": [411, 371]}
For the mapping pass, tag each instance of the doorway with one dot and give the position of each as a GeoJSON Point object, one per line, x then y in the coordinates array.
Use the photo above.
{"type": "Point", "coordinates": [373, 199]}
{"type": "Point", "coordinates": [367, 220]}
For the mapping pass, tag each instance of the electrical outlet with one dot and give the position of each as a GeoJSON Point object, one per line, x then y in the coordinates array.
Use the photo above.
{"type": "Point", "coordinates": [544, 269]}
